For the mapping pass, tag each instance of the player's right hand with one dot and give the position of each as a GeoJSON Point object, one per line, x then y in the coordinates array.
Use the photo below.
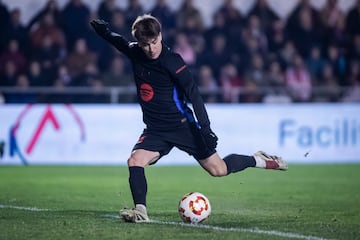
{"type": "Point", "coordinates": [100, 26]}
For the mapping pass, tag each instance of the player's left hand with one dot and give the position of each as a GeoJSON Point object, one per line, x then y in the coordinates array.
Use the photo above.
{"type": "Point", "coordinates": [210, 138]}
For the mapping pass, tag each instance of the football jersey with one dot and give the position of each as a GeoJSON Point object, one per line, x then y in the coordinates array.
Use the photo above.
{"type": "Point", "coordinates": [164, 85]}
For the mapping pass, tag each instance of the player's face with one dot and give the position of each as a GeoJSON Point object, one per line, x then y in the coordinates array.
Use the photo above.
{"type": "Point", "coordinates": [152, 47]}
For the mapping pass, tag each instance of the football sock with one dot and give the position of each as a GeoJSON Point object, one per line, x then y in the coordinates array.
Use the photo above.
{"type": "Point", "coordinates": [138, 185]}
{"type": "Point", "coordinates": [236, 162]}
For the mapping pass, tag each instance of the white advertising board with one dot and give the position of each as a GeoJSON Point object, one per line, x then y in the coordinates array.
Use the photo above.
{"type": "Point", "coordinates": [105, 134]}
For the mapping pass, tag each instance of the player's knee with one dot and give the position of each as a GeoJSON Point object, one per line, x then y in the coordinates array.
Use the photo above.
{"type": "Point", "coordinates": [217, 171]}
{"type": "Point", "coordinates": [134, 161]}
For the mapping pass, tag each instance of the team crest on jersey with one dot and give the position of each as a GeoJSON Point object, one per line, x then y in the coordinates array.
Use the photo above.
{"type": "Point", "coordinates": [146, 92]}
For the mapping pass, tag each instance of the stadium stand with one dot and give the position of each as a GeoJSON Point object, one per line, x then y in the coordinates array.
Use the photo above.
{"type": "Point", "coordinates": [310, 54]}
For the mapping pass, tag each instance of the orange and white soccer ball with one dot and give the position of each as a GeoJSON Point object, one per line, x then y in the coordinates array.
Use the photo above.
{"type": "Point", "coordinates": [194, 207]}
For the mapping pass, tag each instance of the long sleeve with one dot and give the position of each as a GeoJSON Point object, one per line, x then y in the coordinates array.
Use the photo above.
{"type": "Point", "coordinates": [119, 42]}
{"type": "Point", "coordinates": [184, 79]}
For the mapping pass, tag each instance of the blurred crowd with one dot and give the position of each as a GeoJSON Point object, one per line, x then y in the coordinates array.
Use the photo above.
{"type": "Point", "coordinates": [311, 56]}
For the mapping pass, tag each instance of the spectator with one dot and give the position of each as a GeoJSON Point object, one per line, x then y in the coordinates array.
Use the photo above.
{"type": "Point", "coordinates": [189, 11]}
{"type": "Point", "coordinates": [106, 9]}
{"type": "Point", "coordinates": [217, 28]}
{"type": "Point", "coordinates": [315, 63]}
{"type": "Point", "coordinates": [217, 56]}
{"type": "Point", "coordinates": [233, 22]}
{"type": "Point", "coordinates": [192, 26]}
{"type": "Point", "coordinates": [79, 58]}
{"type": "Point", "coordinates": [18, 31]}
{"type": "Point", "coordinates": [118, 23]}
{"type": "Point", "coordinates": [293, 22]}
{"type": "Point", "coordinates": [255, 79]}
{"type": "Point", "coordinates": [231, 82]}
{"type": "Point", "coordinates": [253, 32]}
{"type": "Point", "coordinates": [256, 72]}
{"type": "Point", "coordinates": [329, 86]}
{"type": "Point", "coordinates": [353, 19]}
{"type": "Point", "coordinates": [96, 95]}
{"type": "Point", "coordinates": [330, 14]}
{"type": "Point", "coordinates": [47, 28]}
{"type": "Point", "coordinates": [88, 76]}
{"type": "Point", "coordinates": [8, 77]}
{"type": "Point", "coordinates": [338, 62]}
{"type": "Point", "coordinates": [276, 37]}
{"type": "Point", "coordinates": [75, 17]}
{"type": "Point", "coordinates": [276, 81]}
{"type": "Point", "coordinates": [49, 55]}
{"type": "Point", "coordinates": [13, 54]}
{"type": "Point", "coordinates": [22, 95]}
{"type": "Point", "coordinates": [51, 8]}
{"type": "Point", "coordinates": [133, 10]}
{"type": "Point", "coordinates": [353, 92]}
{"type": "Point", "coordinates": [62, 78]}
{"type": "Point", "coordinates": [276, 78]}
{"type": "Point", "coordinates": [117, 76]}
{"type": "Point", "coordinates": [104, 51]}
{"type": "Point", "coordinates": [208, 84]}
{"type": "Point", "coordinates": [338, 35]}
{"type": "Point", "coordinates": [287, 53]}
{"type": "Point", "coordinates": [354, 48]}
{"type": "Point", "coordinates": [184, 48]}
{"type": "Point", "coordinates": [163, 13]}
{"type": "Point", "coordinates": [298, 81]}
{"type": "Point", "coordinates": [266, 15]}
{"type": "Point", "coordinates": [307, 34]}
{"type": "Point", "coordinates": [36, 76]}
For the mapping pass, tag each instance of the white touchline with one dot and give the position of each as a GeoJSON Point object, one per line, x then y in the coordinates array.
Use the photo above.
{"type": "Point", "coordinates": [231, 229]}
{"type": "Point", "coordinates": [33, 209]}
{"type": "Point", "coordinates": [200, 226]}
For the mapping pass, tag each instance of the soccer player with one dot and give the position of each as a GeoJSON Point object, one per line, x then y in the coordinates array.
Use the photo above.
{"type": "Point", "coordinates": [164, 87]}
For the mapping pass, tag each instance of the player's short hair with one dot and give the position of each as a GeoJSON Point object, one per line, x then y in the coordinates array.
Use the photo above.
{"type": "Point", "coordinates": [145, 27]}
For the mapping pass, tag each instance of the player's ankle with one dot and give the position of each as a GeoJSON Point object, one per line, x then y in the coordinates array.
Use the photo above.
{"type": "Point", "coordinates": [141, 207]}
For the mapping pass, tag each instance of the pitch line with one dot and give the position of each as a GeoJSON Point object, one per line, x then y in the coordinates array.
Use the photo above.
{"type": "Point", "coordinates": [199, 226]}
{"type": "Point", "coordinates": [231, 229]}
{"type": "Point", "coordinates": [32, 209]}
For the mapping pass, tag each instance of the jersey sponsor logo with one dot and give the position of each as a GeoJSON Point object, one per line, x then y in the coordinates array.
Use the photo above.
{"type": "Point", "coordinates": [146, 92]}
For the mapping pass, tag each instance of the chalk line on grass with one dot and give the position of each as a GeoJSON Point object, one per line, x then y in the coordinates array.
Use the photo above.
{"type": "Point", "coordinates": [199, 226]}
{"type": "Point", "coordinates": [231, 229]}
{"type": "Point", "coordinates": [33, 209]}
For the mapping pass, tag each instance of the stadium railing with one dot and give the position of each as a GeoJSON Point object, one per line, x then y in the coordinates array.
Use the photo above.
{"type": "Point", "coordinates": [117, 94]}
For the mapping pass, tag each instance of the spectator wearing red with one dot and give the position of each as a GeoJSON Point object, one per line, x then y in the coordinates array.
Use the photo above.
{"type": "Point", "coordinates": [298, 81]}
{"type": "Point", "coordinates": [47, 28]}
{"type": "Point", "coordinates": [79, 58]}
{"type": "Point", "coordinates": [14, 55]}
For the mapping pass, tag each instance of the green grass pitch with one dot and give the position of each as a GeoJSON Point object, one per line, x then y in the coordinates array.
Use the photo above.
{"type": "Point", "coordinates": [82, 202]}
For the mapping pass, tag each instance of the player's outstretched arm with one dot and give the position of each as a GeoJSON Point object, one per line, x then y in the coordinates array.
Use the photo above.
{"type": "Point", "coordinates": [102, 28]}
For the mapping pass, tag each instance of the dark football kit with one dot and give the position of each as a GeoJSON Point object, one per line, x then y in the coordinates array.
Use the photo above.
{"type": "Point", "coordinates": [164, 86]}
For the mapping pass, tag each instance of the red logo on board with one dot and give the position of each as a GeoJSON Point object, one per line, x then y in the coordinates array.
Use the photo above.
{"type": "Point", "coordinates": [146, 92]}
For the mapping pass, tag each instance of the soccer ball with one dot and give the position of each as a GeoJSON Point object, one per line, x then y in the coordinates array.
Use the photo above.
{"type": "Point", "coordinates": [194, 207]}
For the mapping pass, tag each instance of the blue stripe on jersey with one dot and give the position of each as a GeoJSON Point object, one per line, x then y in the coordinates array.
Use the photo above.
{"type": "Point", "coordinates": [182, 109]}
